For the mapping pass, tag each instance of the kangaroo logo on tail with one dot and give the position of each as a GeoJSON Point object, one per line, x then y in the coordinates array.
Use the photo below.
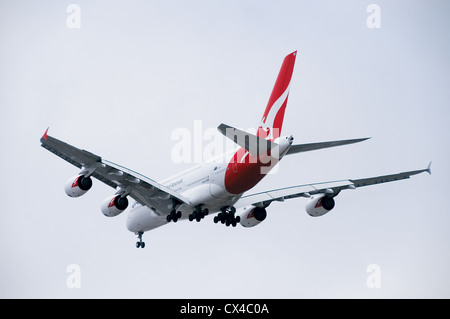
{"type": "Point", "coordinates": [272, 120]}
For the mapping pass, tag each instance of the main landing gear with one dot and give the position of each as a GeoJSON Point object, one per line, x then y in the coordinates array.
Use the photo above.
{"type": "Point", "coordinates": [173, 216]}
{"type": "Point", "coordinates": [140, 243]}
{"type": "Point", "coordinates": [226, 216]}
{"type": "Point", "coordinates": [198, 214]}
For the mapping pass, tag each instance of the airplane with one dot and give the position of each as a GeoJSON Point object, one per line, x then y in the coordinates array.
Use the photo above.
{"type": "Point", "coordinates": [218, 186]}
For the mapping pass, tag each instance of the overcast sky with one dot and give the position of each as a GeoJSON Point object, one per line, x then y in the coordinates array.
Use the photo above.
{"type": "Point", "coordinates": [134, 71]}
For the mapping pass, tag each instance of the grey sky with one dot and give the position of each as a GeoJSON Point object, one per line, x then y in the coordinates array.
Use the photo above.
{"type": "Point", "coordinates": [136, 70]}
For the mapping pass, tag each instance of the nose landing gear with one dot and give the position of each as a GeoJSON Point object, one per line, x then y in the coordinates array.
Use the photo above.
{"type": "Point", "coordinates": [140, 243]}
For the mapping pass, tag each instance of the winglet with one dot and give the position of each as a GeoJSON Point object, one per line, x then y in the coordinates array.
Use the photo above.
{"type": "Point", "coordinates": [428, 170]}
{"type": "Point", "coordinates": [45, 134]}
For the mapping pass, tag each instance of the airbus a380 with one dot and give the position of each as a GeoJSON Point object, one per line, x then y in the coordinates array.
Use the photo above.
{"type": "Point", "coordinates": [218, 186]}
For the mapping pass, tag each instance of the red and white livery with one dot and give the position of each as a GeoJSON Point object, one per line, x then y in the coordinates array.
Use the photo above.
{"type": "Point", "coordinates": [216, 187]}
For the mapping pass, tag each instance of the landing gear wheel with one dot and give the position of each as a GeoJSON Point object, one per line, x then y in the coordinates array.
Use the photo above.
{"type": "Point", "coordinates": [140, 243]}
{"type": "Point", "coordinates": [173, 216]}
{"type": "Point", "coordinates": [226, 216]}
{"type": "Point", "coordinates": [198, 214]}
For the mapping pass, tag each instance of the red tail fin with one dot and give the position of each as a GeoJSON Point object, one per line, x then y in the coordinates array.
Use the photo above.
{"type": "Point", "coordinates": [272, 120]}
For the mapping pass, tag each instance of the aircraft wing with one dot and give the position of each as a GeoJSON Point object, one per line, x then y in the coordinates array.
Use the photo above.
{"type": "Point", "coordinates": [264, 199]}
{"type": "Point", "coordinates": [143, 189]}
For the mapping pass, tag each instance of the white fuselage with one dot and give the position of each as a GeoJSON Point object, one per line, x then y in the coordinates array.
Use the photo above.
{"type": "Point", "coordinates": [204, 185]}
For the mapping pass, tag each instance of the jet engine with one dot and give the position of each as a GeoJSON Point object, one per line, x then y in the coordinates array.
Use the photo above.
{"type": "Point", "coordinates": [114, 205]}
{"type": "Point", "coordinates": [319, 205]}
{"type": "Point", "coordinates": [78, 185]}
{"type": "Point", "coordinates": [252, 216]}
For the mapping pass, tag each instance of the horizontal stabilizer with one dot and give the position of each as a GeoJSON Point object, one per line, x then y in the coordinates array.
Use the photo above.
{"type": "Point", "coordinates": [255, 145]}
{"type": "Point", "coordinates": [298, 148]}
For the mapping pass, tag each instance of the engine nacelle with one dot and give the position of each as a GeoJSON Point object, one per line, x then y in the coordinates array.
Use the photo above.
{"type": "Point", "coordinates": [78, 185]}
{"type": "Point", "coordinates": [252, 216]}
{"type": "Point", "coordinates": [319, 205]}
{"type": "Point", "coordinates": [114, 205]}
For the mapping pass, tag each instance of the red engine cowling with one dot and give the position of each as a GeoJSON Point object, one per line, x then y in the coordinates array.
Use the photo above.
{"type": "Point", "coordinates": [252, 216]}
{"type": "Point", "coordinates": [319, 205]}
{"type": "Point", "coordinates": [114, 205]}
{"type": "Point", "coordinates": [78, 185]}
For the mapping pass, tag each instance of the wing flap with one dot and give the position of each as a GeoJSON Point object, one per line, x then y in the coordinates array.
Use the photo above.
{"type": "Point", "coordinates": [141, 188]}
{"type": "Point", "coordinates": [130, 178]}
{"type": "Point", "coordinates": [264, 199]}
